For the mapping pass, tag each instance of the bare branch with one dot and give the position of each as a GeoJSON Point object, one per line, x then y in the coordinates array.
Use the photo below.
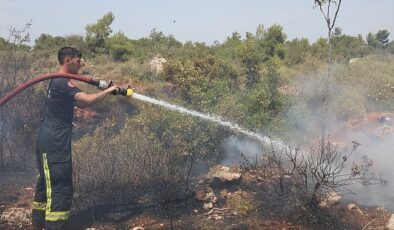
{"type": "Point", "coordinates": [336, 14]}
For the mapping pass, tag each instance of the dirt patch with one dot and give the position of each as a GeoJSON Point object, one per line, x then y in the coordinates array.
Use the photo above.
{"type": "Point", "coordinates": [244, 205]}
{"type": "Point", "coordinates": [16, 197]}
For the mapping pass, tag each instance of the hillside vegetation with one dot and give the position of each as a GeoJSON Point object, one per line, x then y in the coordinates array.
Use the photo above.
{"type": "Point", "coordinates": [261, 81]}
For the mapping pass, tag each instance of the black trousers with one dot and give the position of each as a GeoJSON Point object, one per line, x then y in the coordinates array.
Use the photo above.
{"type": "Point", "coordinates": [54, 191]}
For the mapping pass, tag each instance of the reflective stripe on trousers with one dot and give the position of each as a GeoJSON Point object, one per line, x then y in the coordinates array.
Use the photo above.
{"type": "Point", "coordinates": [50, 215]}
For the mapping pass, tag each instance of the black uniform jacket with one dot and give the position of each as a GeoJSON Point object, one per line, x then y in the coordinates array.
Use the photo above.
{"type": "Point", "coordinates": [54, 135]}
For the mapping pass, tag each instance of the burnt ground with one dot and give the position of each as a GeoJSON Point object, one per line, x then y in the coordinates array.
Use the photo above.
{"type": "Point", "coordinates": [244, 205]}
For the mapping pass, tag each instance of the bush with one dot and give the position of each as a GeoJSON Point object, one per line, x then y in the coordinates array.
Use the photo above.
{"type": "Point", "coordinates": [19, 118]}
{"type": "Point", "coordinates": [152, 155]}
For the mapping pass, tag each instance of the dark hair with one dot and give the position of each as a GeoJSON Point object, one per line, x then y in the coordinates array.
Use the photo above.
{"type": "Point", "coordinates": [67, 51]}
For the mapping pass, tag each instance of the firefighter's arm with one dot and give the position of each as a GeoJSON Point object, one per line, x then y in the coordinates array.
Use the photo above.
{"type": "Point", "coordinates": [84, 100]}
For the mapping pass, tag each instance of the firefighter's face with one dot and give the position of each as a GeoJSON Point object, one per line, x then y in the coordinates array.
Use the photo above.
{"type": "Point", "coordinates": [73, 64]}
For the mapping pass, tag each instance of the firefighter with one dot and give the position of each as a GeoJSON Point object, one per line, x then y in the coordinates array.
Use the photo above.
{"type": "Point", "coordinates": [54, 191]}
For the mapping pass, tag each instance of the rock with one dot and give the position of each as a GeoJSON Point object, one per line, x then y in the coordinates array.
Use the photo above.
{"type": "Point", "coordinates": [224, 194]}
{"type": "Point", "coordinates": [212, 197]}
{"type": "Point", "coordinates": [329, 199]}
{"type": "Point", "coordinates": [138, 228]}
{"type": "Point", "coordinates": [200, 195]}
{"type": "Point", "coordinates": [208, 205]}
{"type": "Point", "coordinates": [353, 207]}
{"type": "Point", "coordinates": [390, 224]}
{"type": "Point", "coordinates": [156, 64]}
{"type": "Point", "coordinates": [385, 119]}
{"type": "Point", "coordinates": [121, 212]}
{"type": "Point", "coordinates": [381, 209]}
{"type": "Point", "coordinates": [220, 176]}
{"type": "Point", "coordinates": [206, 195]}
{"type": "Point", "coordinates": [217, 217]}
{"type": "Point", "coordinates": [353, 60]}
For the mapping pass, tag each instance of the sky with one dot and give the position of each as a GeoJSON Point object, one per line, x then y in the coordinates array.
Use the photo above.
{"type": "Point", "coordinates": [190, 20]}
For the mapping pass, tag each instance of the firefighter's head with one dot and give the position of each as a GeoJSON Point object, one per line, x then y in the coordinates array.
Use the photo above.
{"type": "Point", "coordinates": [70, 59]}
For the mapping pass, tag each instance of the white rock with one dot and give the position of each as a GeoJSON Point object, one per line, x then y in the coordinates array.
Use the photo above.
{"type": "Point", "coordinates": [138, 228]}
{"type": "Point", "coordinates": [208, 205]}
{"type": "Point", "coordinates": [390, 224]}
{"type": "Point", "coordinates": [353, 207]}
{"type": "Point", "coordinates": [329, 199]}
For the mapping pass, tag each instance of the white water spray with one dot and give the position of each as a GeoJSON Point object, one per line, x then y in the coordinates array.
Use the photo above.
{"type": "Point", "coordinates": [218, 119]}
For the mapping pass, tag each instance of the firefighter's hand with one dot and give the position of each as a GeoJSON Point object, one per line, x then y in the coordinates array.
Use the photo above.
{"type": "Point", "coordinates": [114, 89]}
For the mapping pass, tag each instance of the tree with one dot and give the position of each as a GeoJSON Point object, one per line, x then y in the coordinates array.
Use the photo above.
{"type": "Point", "coordinates": [274, 40]}
{"type": "Point", "coordinates": [96, 34]}
{"type": "Point", "coordinates": [378, 40]}
{"type": "Point", "coordinates": [296, 51]}
{"type": "Point", "coordinates": [252, 54]}
{"type": "Point", "coordinates": [76, 41]}
{"type": "Point", "coordinates": [319, 49]}
{"type": "Point", "coordinates": [119, 46]}
{"type": "Point", "coordinates": [202, 82]}
{"type": "Point", "coordinates": [330, 20]}
{"type": "Point", "coordinates": [347, 47]}
{"type": "Point", "coordinates": [48, 43]}
{"type": "Point", "coordinates": [382, 36]}
{"type": "Point", "coordinates": [229, 49]}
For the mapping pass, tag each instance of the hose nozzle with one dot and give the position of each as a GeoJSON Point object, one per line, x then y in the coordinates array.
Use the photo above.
{"type": "Point", "coordinates": [103, 84]}
{"type": "Point", "coordinates": [128, 92]}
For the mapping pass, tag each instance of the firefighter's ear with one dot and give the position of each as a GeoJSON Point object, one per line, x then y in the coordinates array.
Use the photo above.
{"type": "Point", "coordinates": [67, 60]}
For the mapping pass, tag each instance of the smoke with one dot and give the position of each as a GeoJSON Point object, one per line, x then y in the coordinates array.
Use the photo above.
{"type": "Point", "coordinates": [234, 146]}
{"type": "Point", "coordinates": [318, 110]}
{"type": "Point", "coordinates": [321, 108]}
{"type": "Point", "coordinates": [379, 150]}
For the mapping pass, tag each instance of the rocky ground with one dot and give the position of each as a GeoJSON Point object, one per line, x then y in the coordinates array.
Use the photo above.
{"type": "Point", "coordinates": [222, 199]}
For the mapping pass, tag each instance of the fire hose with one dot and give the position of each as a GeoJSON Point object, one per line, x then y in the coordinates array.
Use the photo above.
{"type": "Point", "coordinates": [101, 84]}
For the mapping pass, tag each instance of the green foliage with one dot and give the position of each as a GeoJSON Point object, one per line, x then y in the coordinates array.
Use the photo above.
{"type": "Point", "coordinates": [230, 48]}
{"type": "Point", "coordinates": [119, 47]}
{"type": "Point", "coordinates": [259, 48]}
{"type": "Point", "coordinates": [3, 43]}
{"type": "Point", "coordinates": [157, 43]}
{"type": "Point", "coordinates": [374, 75]}
{"type": "Point", "coordinates": [76, 41]}
{"type": "Point", "coordinates": [49, 43]}
{"type": "Point", "coordinates": [183, 135]}
{"type": "Point", "coordinates": [257, 108]}
{"type": "Point", "coordinates": [347, 47]}
{"type": "Point", "coordinates": [46, 45]}
{"type": "Point", "coordinates": [319, 49]}
{"type": "Point", "coordinates": [97, 34]}
{"type": "Point", "coordinates": [241, 204]}
{"type": "Point", "coordinates": [274, 40]}
{"type": "Point", "coordinates": [251, 55]}
{"type": "Point", "coordinates": [371, 40]}
{"type": "Point", "coordinates": [382, 36]}
{"type": "Point", "coordinates": [297, 51]}
{"type": "Point", "coordinates": [378, 40]}
{"type": "Point", "coordinates": [194, 50]}
{"type": "Point", "coordinates": [201, 82]}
